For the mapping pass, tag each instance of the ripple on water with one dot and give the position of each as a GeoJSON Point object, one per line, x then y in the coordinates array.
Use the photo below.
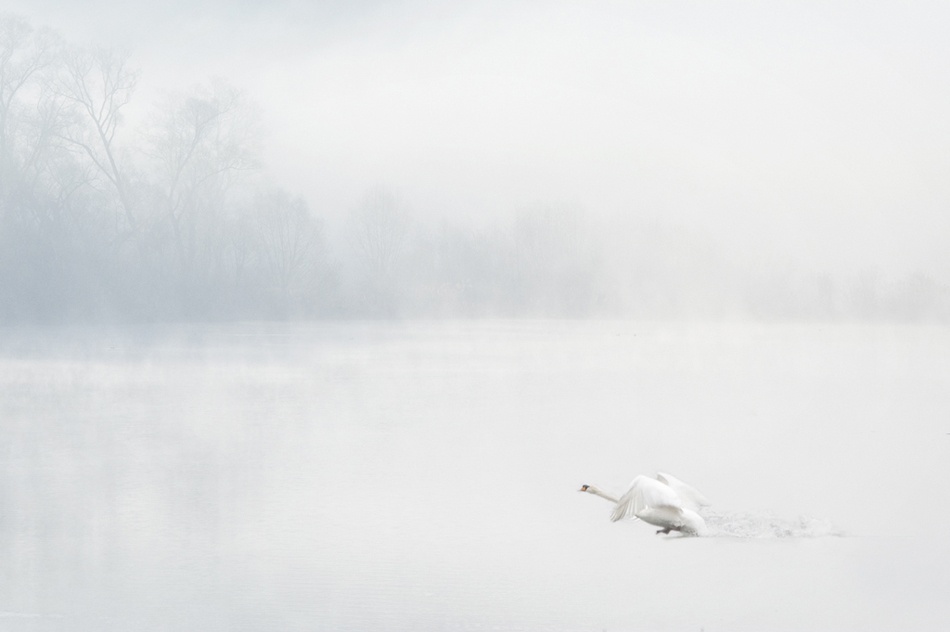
{"type": "Point", "coordinates": [741, 524]}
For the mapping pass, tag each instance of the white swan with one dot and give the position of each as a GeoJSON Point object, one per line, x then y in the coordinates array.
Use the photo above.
{"type": "Point", "coordinates": [665, 502]}
{"type": "Point", "coordinates": [691, 497]}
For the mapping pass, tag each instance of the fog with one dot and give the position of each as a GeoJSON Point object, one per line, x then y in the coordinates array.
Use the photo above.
{"type": "Point", "coordinates": [797, 147]}
{"type": "Point", "coordinates": [424, 476]}
{"type": "Point", "coordinates": [318, 315]}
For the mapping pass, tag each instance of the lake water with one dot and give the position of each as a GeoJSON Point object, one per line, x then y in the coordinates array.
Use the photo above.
{"type": "Point", "coordinates": [424, 476]}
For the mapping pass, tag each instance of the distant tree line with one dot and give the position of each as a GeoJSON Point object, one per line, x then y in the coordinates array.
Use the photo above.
{"type": "Point", "coordinates": [169, 221]}
{"type": "Point", "coordinates": [175, 221]}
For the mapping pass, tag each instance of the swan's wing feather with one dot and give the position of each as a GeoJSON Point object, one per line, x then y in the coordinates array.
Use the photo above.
{"type": "Point", "coordinates": [630, 503]}
{"type": "Point", "coordinates": [644, 493]}
{"type": "Point", "coordinates": [691, 497]}
{"type": "Point", "coordinates": [656, 494]}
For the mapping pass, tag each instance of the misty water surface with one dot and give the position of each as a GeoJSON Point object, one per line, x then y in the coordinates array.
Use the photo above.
{"type": "Point", "coordinates": [423, 477]}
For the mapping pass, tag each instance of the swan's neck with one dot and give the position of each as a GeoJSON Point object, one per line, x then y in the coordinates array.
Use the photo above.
{"type": "Point", "coordinates": [596, 491]}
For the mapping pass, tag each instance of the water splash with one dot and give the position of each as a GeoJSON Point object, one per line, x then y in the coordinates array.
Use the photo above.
{"type": "Point", "coordinates": [741, 524]}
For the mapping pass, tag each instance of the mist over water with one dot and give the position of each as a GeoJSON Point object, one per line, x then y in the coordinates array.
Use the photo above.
{"type": "Point", "coordinates": [424, 476]}
{"type": "Point", "coordinates": [317, 315]}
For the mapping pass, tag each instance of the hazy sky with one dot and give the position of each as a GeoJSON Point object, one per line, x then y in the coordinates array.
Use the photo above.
{"type": "Point", "coordinates": [816, 131]}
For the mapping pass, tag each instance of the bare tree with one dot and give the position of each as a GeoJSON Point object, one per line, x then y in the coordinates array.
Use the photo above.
{"type": "Point", "coordinates": [99, 84]}
{"type": "Point", "coordinates": [288, 250]}
{"type": "Point", "coordinates": [198, 142]}
{"type": "Point", "coordinates": [378, 228]}
{"type": "Point", "coordinates": [24, 54]}
{"type": "Point", "coordinates": [288, 234]}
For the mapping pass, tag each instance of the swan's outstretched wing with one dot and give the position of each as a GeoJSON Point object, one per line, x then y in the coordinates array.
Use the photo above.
{"type": "Point", "coordinates": [691, 497]}
{"type": "Point", "coordinates": [646, 493]}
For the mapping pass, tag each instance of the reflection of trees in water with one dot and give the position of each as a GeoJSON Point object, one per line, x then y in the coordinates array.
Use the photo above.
{"type": "Point", "coordinates": [111, 485]}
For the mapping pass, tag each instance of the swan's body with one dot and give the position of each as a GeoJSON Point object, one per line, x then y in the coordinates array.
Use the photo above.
{"type": "Point", "coordinates": [664, 502]}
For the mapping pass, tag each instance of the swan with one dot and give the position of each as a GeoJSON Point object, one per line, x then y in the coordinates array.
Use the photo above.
{"type": "Point", "coordinates": [664, 501]}
{"type": "Point", "coordinates": [691, 497]}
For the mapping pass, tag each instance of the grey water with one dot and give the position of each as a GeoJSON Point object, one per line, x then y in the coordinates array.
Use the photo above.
{"type": "Point", "coordinates": [424, 476]}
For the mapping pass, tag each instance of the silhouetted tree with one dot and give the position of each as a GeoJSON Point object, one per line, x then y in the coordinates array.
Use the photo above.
{"type": "Point", "coordinates": [378, 229]}
{"type": "Point", "coordinates": [98, 83]}
{"type": "Point", "coordinates": [25, 54]}
{"type": "Point", "coordinates": [289, 243]}
{"type": "Point", "coordinates": [199, 143]}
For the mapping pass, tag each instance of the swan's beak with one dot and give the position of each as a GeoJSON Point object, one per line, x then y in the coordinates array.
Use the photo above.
{"type": "Point", "coordinates": [583, 488]}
